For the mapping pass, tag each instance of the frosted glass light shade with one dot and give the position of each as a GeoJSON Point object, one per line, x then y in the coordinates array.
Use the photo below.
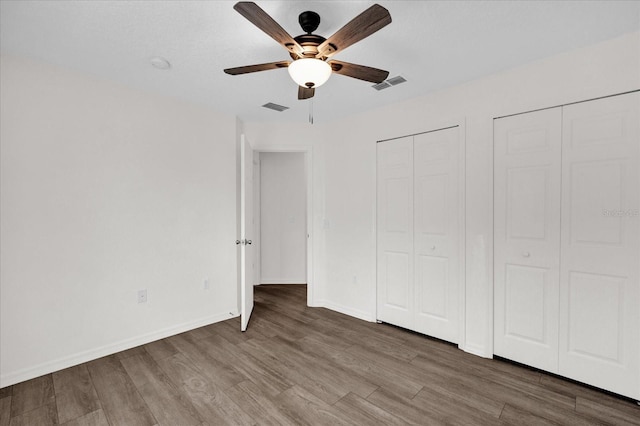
{"type": "Point", "coordinates": [309, 70]}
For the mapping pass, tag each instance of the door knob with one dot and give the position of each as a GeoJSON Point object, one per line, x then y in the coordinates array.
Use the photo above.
{"type": "Point", "coordinates": [248, 242]}
{"type": "Point", "coordinates": [238, 241]}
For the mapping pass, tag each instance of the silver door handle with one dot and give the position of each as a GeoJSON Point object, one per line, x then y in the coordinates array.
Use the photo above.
{"type": "Point", "coordinates": [248, 242]}
{"type": "Point", "coordinates": [238, 241]}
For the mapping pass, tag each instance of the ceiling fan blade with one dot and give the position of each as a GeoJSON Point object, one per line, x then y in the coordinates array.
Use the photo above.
{"type": "Point", "coordinates": [306, 93]}
{"type": "Point", "coordinates": [262, 20]}
{"type": "Point", "coordinates": [363, 25]}
{"type": "Point", "coordinates": [360, 72]}
{"type": "Point", "coordinates": [258, 67]}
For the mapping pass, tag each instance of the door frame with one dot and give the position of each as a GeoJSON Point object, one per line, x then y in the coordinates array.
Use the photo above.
{"type": "Point", "coordinates": [308, 167]}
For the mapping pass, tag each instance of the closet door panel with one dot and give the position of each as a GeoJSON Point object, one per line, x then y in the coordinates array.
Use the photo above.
{"type": "Point", "coordinates": [395, 232]}
{"type": "Point", "coordinates": [600, 280]}
{"type": "Point", "coordinates": [437, 232]}
{"type": "Point", "coordinates": [527, 292]}
{"type": "Point", "coordinates": [526, 237]}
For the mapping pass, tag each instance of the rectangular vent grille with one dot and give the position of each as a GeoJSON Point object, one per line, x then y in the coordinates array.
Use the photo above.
{"type": "Point", "coordinates": [393, 81]}
{"type": "Point", "coordinates": [396, 80]}
{"type": "Point", "coordinates": [381, 86]}
{"type": "Point", "coordinates": [275, 107]}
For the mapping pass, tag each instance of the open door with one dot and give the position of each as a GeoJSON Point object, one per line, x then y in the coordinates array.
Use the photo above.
{"type": "Point", "coordinates": [246, 232]}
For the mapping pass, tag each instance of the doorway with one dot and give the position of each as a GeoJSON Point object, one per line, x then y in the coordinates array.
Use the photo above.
{"type": "Point", "coordinates": [282, 217]}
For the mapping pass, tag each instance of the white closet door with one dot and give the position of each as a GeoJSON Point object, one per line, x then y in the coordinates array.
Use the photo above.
{"type": "Point", "coordinates": [395, 232]}
{"type": "Point", "coordinates": [527, 237]}
{"type": "Point", "coordinates": [600, 294]}
{"type": "Point", "coordinates": [436, 233]}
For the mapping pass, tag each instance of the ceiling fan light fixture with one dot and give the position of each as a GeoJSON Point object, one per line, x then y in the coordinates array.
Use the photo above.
{"type": "Point", "coordinates": [309, 72]}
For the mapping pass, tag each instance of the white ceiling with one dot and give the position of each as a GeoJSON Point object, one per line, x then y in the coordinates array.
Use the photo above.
{"type": "Point", "coordinates": [433, 44]}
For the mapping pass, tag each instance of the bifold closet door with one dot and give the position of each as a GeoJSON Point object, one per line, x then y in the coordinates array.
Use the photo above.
{"type": "Point", "coordinates": [418, 233]}
{"type": "Point", "coordinates": [437, 227]}
{"type": "Point", "coordinates": [527, 156]}
{"type": "Point", "coordinates": [395, 232]}
{"type": "Point", "coordinates": [600, 279]}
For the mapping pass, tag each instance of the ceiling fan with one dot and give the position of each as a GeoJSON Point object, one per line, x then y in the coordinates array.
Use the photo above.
{"type": "Point", "coordinates": [310, 52]}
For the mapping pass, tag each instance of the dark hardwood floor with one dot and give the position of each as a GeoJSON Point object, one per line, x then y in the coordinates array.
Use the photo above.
{"type": "Point", "coordinates": [298, 365]}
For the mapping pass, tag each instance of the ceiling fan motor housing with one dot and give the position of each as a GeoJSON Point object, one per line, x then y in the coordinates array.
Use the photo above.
{"type": "Point", "coordinates": [309, 21]}
{"type": "Point", "coordinates": [309, 43]}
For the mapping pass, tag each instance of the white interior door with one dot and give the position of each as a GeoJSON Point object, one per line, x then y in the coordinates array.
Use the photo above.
{"type": "Point", "coordinates": [395, 232]}
{"type": "Point", "coordinates": [527, 150]}
{"type": "Point", "coordinates": [600, 280]}
{"type": "Point", "coordinates": [246, 233]}
{"type": "Point", "coordinates": [436, 233]}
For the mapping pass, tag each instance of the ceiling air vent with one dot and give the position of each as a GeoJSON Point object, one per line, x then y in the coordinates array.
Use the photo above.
{"type": "Point", "coordinates": [396, 80]}
{"type": "Point", "coordinates": [389, 82]}
{"type": "Point", "coordinates": [275, 107]}
{"type": "Point", "coordinates": [381, 86]}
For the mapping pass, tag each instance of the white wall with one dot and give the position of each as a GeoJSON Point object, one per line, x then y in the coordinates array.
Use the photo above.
{"type": "Point", "coordinates": [106, 190]}
{"type": "Point", "coordinates": [345, 169]}
{"type": "Point", "coordinates": [283, 210]}
{"type": "Point", "coordinates": [256, 219]}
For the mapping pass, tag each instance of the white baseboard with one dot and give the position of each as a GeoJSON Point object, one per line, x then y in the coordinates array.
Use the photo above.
{"type": "Point", "coordinates": [14, 377]}
{"type": "Point", "coordinates": [365, 316]}
{"type": "Point", "coordinates": [283, 281]}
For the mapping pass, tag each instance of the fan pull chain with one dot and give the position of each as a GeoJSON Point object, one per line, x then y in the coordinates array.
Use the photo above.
{"type": "Point", "coordinates": [311, 111]}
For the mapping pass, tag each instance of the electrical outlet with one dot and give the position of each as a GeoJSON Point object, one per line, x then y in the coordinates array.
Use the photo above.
{"type": "Point", "coordinates": [142, 296]}
{"type": "Point", "coordinates": [206, 284]}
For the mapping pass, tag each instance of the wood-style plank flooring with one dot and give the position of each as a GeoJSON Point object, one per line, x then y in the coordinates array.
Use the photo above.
{"type": "Point", "coordinates": [304, 366]}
